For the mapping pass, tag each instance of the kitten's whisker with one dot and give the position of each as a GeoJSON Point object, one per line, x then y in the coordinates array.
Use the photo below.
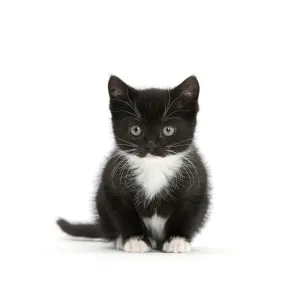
{"type": "Point", "coordinates": [184, 157]}
{"type": "Point", "coordinates": [182, 141]}
{"type": "Point", "coordinates": [125, 180]}
{"type": "Point", "coordinates": [175, 111]}
{"type": "Point", "coordinates": [131, 118]}
{"type": "Point", "coordinates": [118, 154]}
{"type": "Point", "coordinates": [168, 119]}
{"type": "Point", "coordinates": [169, 97]}
{"type": "Point", "coordinates": [115, 169]}
{"type": "Point", "coordinates": [128, 112]}
{"type": "Point", "coordinates": [123, 140]}
{"type": "Point", "coordinates": [166, 111]}
{"type": "Point", "coordinates": [127, 145]}
{"type": "Point", "coordinates": [137, 120]}
{"type": "Point", "coordinates": [128, 142]}
{"type": "Point", "coordinates": [130, 185]}
{"type": "Point", "coordinates": [174, 146]}
{"type": "Point", "coordinates": [132, 107]}
{"type": "Point", "coordinates": [189, 172]}
{"type": "Point", "coordinates": [125, 165]}
{"type": "Point", "coordinates": [137, 110]}
{"type": "Point", "coordinates": [171, 151]}
{"type": "Point", "coordinates": [169, 100]}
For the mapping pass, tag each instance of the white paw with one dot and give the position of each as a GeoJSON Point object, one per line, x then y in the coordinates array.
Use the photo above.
{"type": "Point", "coordinates": [177, 245]}
{"type": "Point", "coordinates": [136, 245]}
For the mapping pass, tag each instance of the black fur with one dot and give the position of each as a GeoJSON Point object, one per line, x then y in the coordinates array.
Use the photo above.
{"type": "Point", "coordinates": [120, 201]}
{"type": "Point", "coordinates": [79, 229]}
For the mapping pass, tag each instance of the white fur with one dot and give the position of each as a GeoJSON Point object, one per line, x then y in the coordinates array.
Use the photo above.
{"type": "Point", "coordinates": [156, 225]}
{"type": "Point", "coordinates": [136, 245]}
{"type": "Point", "coordinates": [153, 173]}
{"type": "Point", "coordinates": [177, 245]}
{"type": "Point", "coordinates": [119, 243]}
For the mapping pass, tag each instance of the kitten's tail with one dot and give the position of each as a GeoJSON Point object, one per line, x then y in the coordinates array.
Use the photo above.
{"type": "Point", "coordinates": [80, 229]}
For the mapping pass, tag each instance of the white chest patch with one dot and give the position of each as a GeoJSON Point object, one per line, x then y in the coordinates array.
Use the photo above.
{"type": "Point", "coordinates": [156, 226]}
{"type": "Point", "coordinates": [153, 173]}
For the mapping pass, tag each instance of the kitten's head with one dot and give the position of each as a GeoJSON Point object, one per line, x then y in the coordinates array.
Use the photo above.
{"type": "Point", "coordinates": [157, 122]}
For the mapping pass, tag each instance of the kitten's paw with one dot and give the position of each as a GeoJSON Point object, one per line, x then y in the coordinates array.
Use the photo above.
{"type": "Point", "coordinates": [136, 245]}
{"type": "Point", "coordinates": [177, 245]}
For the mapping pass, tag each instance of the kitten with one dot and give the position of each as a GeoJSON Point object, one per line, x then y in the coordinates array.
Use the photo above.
{"type": "Point", "coordinates": [154, 188]}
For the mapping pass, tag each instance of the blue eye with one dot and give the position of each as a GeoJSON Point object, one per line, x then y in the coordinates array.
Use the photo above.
{"type": "Point", "coordinates": [168, 131]}
{"type": "Point", "coordinates": [135, 130]}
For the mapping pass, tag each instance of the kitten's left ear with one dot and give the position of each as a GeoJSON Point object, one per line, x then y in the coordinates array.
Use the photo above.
{"type": "Point", "coordinates": [189, 88]}
{"type": "Point", "coordinates": [116, 87]}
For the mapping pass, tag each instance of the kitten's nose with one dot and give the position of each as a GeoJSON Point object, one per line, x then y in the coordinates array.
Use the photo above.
{"type": "Point", "coordinates": [151, 145]}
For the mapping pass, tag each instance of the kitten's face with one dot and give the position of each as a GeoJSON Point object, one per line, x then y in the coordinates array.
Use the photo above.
{"type": "Point", "coordinates": [153, 121]}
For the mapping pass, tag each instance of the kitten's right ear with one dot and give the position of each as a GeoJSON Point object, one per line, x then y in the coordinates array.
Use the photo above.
{"type": "Point", "coordinates": [117, 87]}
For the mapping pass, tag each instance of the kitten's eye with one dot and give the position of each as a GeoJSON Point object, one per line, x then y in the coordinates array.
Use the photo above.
{"type": "Point", "coordinates": [135, 130]}
{"type": "Point", "coordinates": [168, 130]}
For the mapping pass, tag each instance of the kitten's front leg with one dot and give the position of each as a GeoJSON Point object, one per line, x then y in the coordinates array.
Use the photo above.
{"type": "Point", "coordinates": [135, 244]}
{"type": "Point", "coordinates": [124, 216]}
{"type": "Point", "coordinates": [185, 221]}
{"type": "Point", "coordinates": [131, 238]}
{"type": "Point", "coordinates": [176, 244]}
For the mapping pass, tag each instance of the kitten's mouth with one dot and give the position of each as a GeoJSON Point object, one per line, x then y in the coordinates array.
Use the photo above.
{"type": "Point", "coordinates": [152, 153]}
{"type": "Point", "coordinates": [156, 153]}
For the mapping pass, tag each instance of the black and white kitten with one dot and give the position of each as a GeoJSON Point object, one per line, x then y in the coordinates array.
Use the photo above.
{"type": "Point", "coordinates": [154, 187]}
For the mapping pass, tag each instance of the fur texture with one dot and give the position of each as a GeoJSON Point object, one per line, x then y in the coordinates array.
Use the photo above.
{"type": "Point", "coordinates": [164, 168]}
{"type": "Point", "coordinates": [154, 187]}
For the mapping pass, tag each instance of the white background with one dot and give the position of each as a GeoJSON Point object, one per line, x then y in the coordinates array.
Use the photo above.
{"type": "Point", "coordinates": [55, 60]}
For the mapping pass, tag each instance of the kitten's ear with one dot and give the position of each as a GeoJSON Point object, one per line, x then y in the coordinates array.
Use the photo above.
{"type": "Point", "coordinates": [189, 88]}
{"type": "Point", "coordinates": [117, 87]}
{"type": "Point", "coordinates": [186, 94]}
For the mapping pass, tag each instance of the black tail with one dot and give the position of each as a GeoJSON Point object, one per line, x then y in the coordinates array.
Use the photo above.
{"type": "Point", "coordinates": [82, 230]}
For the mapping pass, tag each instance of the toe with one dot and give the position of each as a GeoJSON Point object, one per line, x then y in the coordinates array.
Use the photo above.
{"type": "Point", "coordinates": [177, 245]}
{"type": "Point", "coordinates": [136, 245]}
